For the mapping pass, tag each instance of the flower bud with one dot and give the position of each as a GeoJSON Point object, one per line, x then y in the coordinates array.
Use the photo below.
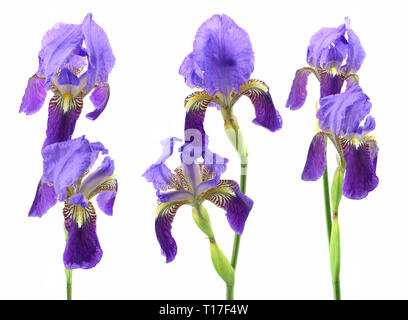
{"type": "Point", "coordinates": [336, 189]}
{"type": "Point", "coordinates": [221, 264]}
{"type": "Point", "coordinates": [202, 220]}
{"type": "Point", "coordinates": [335, 250]}
{"type": "Point", "coordinates": [236, 138]}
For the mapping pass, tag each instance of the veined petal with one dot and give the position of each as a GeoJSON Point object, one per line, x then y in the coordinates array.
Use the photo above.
{"type": "Point", "coordinates": [330, 84]}
{"type": "Point", "coordinates": [223, 52]}
{"type": "Point", "coordinates": [298, 92]}
{"type": "Point", "coordinates": [98, 177]}
{"type": "Point", "coordinates": [100, 57]}
{"type": "Point", "coordinates": [227, 196]}
{"type": "Point", "coordinates": [164, 218]}
{"type": "Point", "coordinates": [34, 95]}
{"type": "Point", "coordinates": [66, 162]}
{"type": "Point", "coordinates": [106, 195]}
{"type": "Point", "coordinates": [266, 114]}
{"type": "Point", "coordinates": [316, 159]}
{"type": "Point", "coordinates": [63, 113]}
{"type": "Point", "coordinates": [99, 98]}
{"type": "Point", "coordinates": [361, 163]}
{"type": "Point", "coordinates": [82, 249]}
{"type": "Point", "coordinates": [208, 184]}
{"type": "Point", "coordinates": [45, 198]}
{"type": "Point", "coordinates": [158, 173]}
{"type": "Point", "coordinates": [178, 195]}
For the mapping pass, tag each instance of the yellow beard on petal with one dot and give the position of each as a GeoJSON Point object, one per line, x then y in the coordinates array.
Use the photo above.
{"type": "Point", "coordinates": [67, 101]}
{"type": "Point", "coordinates": [333, 71]}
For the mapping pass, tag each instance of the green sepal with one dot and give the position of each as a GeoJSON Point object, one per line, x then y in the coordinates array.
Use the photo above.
{"type": "Point", "coordinates": [202, 220]}
{"type": "Point", "coordinates": [336, 189]}
{"type": "Point", "coordinates": [335, 250]}
{"type": "Point", "coordinates": [221, 264]}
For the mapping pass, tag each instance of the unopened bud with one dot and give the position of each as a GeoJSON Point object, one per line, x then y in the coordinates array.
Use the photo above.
{"type": "Point", "coordinates": [221, 264]}
{"type": "Point", "coordinates": [202, 220]}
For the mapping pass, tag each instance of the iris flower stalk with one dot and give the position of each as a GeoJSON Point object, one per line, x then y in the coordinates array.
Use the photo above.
{"type": "Point", "coordinates": [334, 56]}
{"type": "Point", "coordinates": [74, 61]}
{"type": "Point", "coordinates": [221, 64]}
{"type": "Point", "coordinates": [195, 183]}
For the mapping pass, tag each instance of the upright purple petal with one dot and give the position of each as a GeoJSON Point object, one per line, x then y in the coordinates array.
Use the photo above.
{"type": "Point", "coordinates": [223, 52]}
{"type": "Point", "coordinates": [99, 176]}
{"type": "Point", "coordinates": [99, 98]}
{"type": "Point", "coordinates": [298, 92]}
{"type": "Point", "coordinates": [316, 159]}
{"type": "Point", "coordinates": [227, 196]}
{"type": "Point", "coordinates": [191, 73]}
{"type": "Point", "coordinates": [158, 173]}
{"type": "Point", "coordinates": [82, 249]}
{"type": "Point", "coordinates": [341, 114]}
{"type": "Point", "coordinates": [266, 114]}
{"type": "Point", "coordinates": [45, 198]}
{"type": "Point", "coordinates": [361, 162]}
{"type": "Point", "coordinates": [164, 218]}
{"type": "Point", "coordinates": [100, 57]}
{"type": "Point", "coordinates": [65, 162]}
{"type": "Point", "coordinates": [356, 53]}
{"type": "Point", "coordinates": [34, 95]}
{"type": "Point", "coordinates": [59, 45]}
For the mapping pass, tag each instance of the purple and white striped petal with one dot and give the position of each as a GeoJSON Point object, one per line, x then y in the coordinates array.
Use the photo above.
{"type": "Point", "coordinates": [45, 198]}
{"type": "Point", "coordinates": [98, 177]}
{"type": "Point", "coordinates": [177, 195]}
{"type": "Point", "coordinates": [82, 249]}
{"type": "Point", "coordinates": [266, 114]}
{"type": "Point", "coordinates": [34, 95]}
{"type": "Point", "coordinates": [227, 196]}
{"type": "Point", "coordinates": [298, 92]}
{"type": "Point", "coordinates": [316, 159]}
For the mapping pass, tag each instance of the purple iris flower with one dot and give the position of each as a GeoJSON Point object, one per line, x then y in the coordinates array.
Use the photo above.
{"type": "Point", "coordinates": [66, 178]}
{"type": "Point", "coordinates": [221, 64]}
{"type": "Point", "coordinates": [333, 58]}
{"type": "Point", "coordinates": [192, 183]}
{"type": "Point", "coordinates": [345, 119]}
{"type": "Point", "coordinates": [75, 60]}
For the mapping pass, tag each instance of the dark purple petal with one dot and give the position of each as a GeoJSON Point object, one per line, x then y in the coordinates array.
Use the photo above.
{"type": "Point", "coordinates": [223, 52]}
{"type": "Point", "coordinates": [266, 114]}
{"type": "Point", "coordinates": [59, 45]}
{"type": "Point", "coordinates": [65, 162]}
{"type": "Point", "coordinates": [82, 249]}
{"type": "Point", "coordinates": [99, 98]}
{"type": "Point", "coordinates": [164, 218]}
{"type": "Point", "coordinates": [356, 53]}
{"type": "Point", "coordinates": [191, 73]}
{"type": "Point", "coordinates": [98, 177]}
{"type": "Point", "coordinates": [100, 57]}
{"type": "Point", "coordinates": [227, 196]}
{"type": "Point", "coordinates": [341, 114]}
{"type": "Point", "coordinates": [45, 198]}
{"type": "Point", "coordinates": [34, 95]}
{"type": "Point", "coordinates": [361, 162]}
{"type": "Point", "coordinates": [316, 159]}
{"type": "Point", "coordinates": [63, 113]}
{"type": "Point", "coordinates": [105, 201]}
{"type": "Point", "coordinates": [298, 92]}
{"type": "Point", "coordinates": [330, 84]}
{"type": "Point", "coordinates": [317, 52]}
{"type": "Point", "coordinates": [158, 173]}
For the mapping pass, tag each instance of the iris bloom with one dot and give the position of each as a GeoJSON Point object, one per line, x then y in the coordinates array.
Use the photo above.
{"type": "Point", "coordinates": [71, 71]}
{"type": "Point", "coordinates": [66, 178]}
{"type": "Point", "coordinates": [221, 64]}
{"type": "Point", "coordinates": [193, 183]}
{"type": "Point", "coordinates": [333, 59]}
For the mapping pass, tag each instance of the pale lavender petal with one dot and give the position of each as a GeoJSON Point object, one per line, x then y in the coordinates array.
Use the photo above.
{"type": "Point", "coordinates": [45, 198]}
{"type": "Point", "coordinates": [34, 95]}
{"type": "Point", "coordinates": [178, 195]}
{"type": "Point", "coordinates": [99, 176]}
{"type": "Point", "coordinates": [99, 98]}
{"type": "Point", "coordinates": [190, 71]}
{"type": "Point", "coordinates": [356, 53]}
{"type": "Point", "coordinates": [106, 200]}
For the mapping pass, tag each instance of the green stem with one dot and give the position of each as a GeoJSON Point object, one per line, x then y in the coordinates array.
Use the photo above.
{"type": "Point", "coordinates": [336, 290]}
{"type": "Point", "coordinates": [68, 272]}
{"type": "Point", "coordinates": [326, 192]}
{"type": "Point", "coordinates": [237, 238]}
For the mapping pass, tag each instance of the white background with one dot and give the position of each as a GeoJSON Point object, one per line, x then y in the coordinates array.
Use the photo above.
{"type": "Point", "coordinates": [284, 250]}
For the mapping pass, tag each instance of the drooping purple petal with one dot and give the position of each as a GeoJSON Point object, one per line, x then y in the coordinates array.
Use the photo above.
{"type": "Point", "coordinates": [164, 218]}
{"type": "Point", "coordinates": [59, 45]}
{"type": "Point", "coordinates": [65, 162]}
{"type": "Point", "coordinates": [82, 249]}
{"type": "Point", "coordinates": [105, 201]}
{"type": "Point", "coordinates": [190, 72]}
{"type": "Point", "coordinates": [356, 53]}
{"type": "Point", "coordinates": [298, 92]}
{"type": "Point", "coordinates": [99, 98]}
{"type": "Point", "coordinates": [98, 177]}
{"type": "Point", "coordinates": [34, 96]}
{"type": "Point", "coordinates": [361, 162]}
{"type": "Point", "coordinates": [45, 198]}
{"type": "Point", "coordinates": [227, 196]}
{"type": "Point", "coordinates": [330, 84]}
{"type": "Point", "coordinates": [320, 43]}
{"type": "Point", "coordinates": [100, 57]}
{"type": "Point", "coordinates": [223, 52]}
{"type": "Point", "coordinates": [63, 113]}
{"type": "Point", "coordinates": [158, 173]}
{"type": "Point", "coordinates": [341, 114]}
{"type": "Point", "coordinates": [266, 114]}
{"type": "Point", "coordinates": [316, 159]}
